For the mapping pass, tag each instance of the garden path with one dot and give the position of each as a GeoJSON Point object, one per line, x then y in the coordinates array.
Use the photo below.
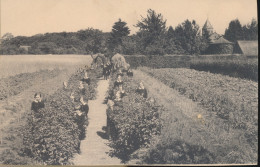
{"type": "Point", "coordinates": [95, 148]}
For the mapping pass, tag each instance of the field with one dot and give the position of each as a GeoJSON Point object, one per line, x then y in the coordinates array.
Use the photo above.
{"type": "Point", "coordinates": [192, 115]}
{"type": "Point", "coordinates": [15, 64]}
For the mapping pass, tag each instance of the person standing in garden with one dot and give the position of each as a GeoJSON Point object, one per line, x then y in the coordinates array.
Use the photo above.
{"type": "Point", "coordinates": [81, 112]}
{"type": "Point", "coordinates": [142, 90]}
{"type": "Point", "coordinates": [86, 79]}
{"type": "Point", "coordinates": [37, 103]}
{"type": "Point", "coordinates": [118, 82]}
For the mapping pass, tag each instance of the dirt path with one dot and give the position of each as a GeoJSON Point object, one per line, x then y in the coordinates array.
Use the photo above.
{"type": "Point", "coordinates": [95, 149]}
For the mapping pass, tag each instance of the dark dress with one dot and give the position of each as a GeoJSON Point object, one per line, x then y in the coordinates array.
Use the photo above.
{"type": "Point", "coordinates": [117, 84]}
{"type": "Point", "coordinates": [122, 94]}
{"type": "Point", "coordinates": [86, 80]}
{"type": "Point", "coordinates": [36, 106]}
{"type": "Point", "coordinates": [130, 73]}
{"type": "Point", "coordinates": [82, 91]}
{"type": "Point", "coordinates": [84, 109]}
{"type": "Point", "coordinates": [142, 92]}
{"type": "Point", "coordinates": [81, 120]}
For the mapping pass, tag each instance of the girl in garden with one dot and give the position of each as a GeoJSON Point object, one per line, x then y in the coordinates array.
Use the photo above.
{"type": "Point", "coordinates": [121, 91]}
{"type": "Point", "coordinates": [118, 82]}
{"type": "Point", "coordinates": [142, 90]}
{"type": "Point", "coordinates": [37, 103]}
{"type": "Point", "coordinates": [81, 111]}
{"type": "Point", "coordinates": [86, 79]}
{"type": "Point", "coordinates": [82, 89]}
{"type": "Point", "coordinates": [120, 73]}
{"type": "Point", "coordinates": [129, 73]}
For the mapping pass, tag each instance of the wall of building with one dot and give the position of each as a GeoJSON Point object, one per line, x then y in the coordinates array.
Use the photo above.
{"type": "Point", "coordinates": [220, 49]}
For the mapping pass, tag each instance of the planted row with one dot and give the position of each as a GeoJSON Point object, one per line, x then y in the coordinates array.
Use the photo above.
{"type": "Point", "coordinates": [53, 135]}
{"type": "Point", "coordinates": [232, 99]}
{"type": "Point", "coordinates": [133, 120]}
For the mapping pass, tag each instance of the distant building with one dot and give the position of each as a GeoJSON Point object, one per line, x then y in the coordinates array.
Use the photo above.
{"type": "Point", "coordinates": [217, 43]}
{"type": "Point", "coordinates": [26, 48]}
{"type": "Point", "coordinates": [249, 48]}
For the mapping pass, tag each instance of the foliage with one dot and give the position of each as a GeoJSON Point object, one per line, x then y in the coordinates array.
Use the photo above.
{"type": "Point", "coordinates": [152, 32]}
{"type": "Point", "coordinates": [231, 99]}
{"type": "Point", "coordinates": [239, 67]}
{"type": "Point", "coordinates": [166, 61]}
{"type": "Point", "coordinates": [13, 85]}
{"type": "Point", "coordinates": [7, 36]}
{"type": "Point", "coordinates": [119, 30]}
{"type": "Point", "coordinates": [153, 38]}
{"type": "Point", "coordinates": [178, 152]}
{"type": "Point", "coordinates": [250, 31]}
{"type": "Point", "coordinates": [133, 121]}
{"type": "Point", "coordinates": [234, 31]}
{"type": "Point", "coordinates": [187, 35]}
{"type": "Point", "coordinates": [81, 42]}
{"type": "Point", "coordinates": [52, 135]}
{"type": "Point", "coordinates": [234, 66]}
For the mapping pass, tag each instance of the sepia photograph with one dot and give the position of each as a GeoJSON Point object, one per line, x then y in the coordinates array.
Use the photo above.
{"type": "Point", "coordinates": [128, 82]}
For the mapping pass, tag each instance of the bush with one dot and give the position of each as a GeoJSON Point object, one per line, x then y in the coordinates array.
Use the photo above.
{"type": "Point", "coordinates": [133, 121]}
{"type": "Point", "coordinates": [235, 66]}
{"type": "Point", "coordinates": [178, 152]}
{"type": "Point", "coordinates": [240, 67]}
{"type": "Point", "coordinates": [52, 135]}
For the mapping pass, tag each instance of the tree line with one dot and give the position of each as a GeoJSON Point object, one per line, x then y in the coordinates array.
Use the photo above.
{"type": "Point", "coordinates": [152, 38]}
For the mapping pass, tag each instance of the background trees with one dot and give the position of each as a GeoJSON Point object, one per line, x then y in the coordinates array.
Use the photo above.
{"type": "Point", "coordinates": [152, 38]}
{"type": "Point", "coordinates": [234, 31]}
{"type": "Point", "coordinates": [119, 31]}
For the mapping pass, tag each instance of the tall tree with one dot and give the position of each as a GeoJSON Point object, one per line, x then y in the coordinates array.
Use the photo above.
{"type": "Point", "coordinates": [187, 35]}
{"type": "Point", "coordinates": [119, 31]}
{"type": "Point", "coordinates": [152, 31]}
{"type": "Point", "coordinates": [234, 31]}
{"type": "Point", "coordinates": [250, 31]}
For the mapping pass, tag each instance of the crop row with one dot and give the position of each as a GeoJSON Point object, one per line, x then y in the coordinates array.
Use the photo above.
{"type": "Point", "coordinates": [232, 99]}
{"type": "Point", "coordinates": [132, 121]}
{"type": "Point", "coordinates": [52, 136]}
{"type": "Point", "coordinates": [13, 85]}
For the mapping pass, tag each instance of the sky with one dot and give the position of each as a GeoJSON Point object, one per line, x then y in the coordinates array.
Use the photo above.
{"type": "Point", "coordinates": [31, 17]}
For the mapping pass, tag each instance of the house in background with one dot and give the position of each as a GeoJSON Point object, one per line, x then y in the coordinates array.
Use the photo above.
{"type": "Point", "coordinates": [248, 48]}
{"type": "Point", "coordinates": [217, 43]}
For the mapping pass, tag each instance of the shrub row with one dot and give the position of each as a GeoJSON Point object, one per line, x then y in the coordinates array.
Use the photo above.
{"type": "Point", "coordinates": [52, 135]}
{"type": "Point", "coordinates": [133, 121]}
{"type": "Point", "coordinates": [246, 68]}
{"type": "Point", "coordinates": [236, 66]}
{"type": "Point", "coordinates": [158, 61]}
{"type": "Point", "coordinates": [13, 85]}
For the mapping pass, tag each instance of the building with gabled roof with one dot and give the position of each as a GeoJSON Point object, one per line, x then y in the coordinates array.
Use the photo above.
{"type": "Point", "coordinates": [217, 43]}
{"type": "Point", "coordinates": [249, 48]}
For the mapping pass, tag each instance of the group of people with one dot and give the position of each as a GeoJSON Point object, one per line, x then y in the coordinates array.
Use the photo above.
{"type": "Point", "coordinates": [79, 100]}
{"type": "Point", "coordinates": [120, 92]}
